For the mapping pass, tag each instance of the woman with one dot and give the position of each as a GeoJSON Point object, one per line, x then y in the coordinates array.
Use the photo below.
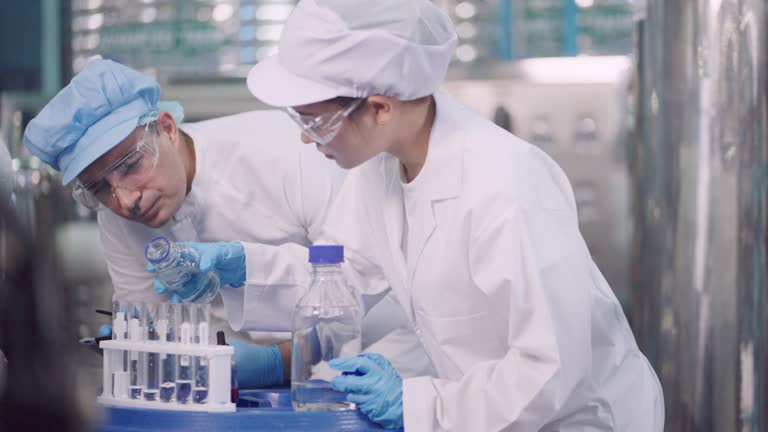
{"type": "Point", "coordinates": [474, 229]}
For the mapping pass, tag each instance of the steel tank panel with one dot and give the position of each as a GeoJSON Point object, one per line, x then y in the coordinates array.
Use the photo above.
{"type": "Point", "coordinates": [699, 167]}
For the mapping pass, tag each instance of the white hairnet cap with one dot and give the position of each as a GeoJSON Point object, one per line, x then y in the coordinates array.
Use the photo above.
{"type": "Point", "coordinates": [356, 48]}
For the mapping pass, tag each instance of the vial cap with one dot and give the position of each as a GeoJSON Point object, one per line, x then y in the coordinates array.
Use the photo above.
{"type": "Point", "coordinates": [326, 254]}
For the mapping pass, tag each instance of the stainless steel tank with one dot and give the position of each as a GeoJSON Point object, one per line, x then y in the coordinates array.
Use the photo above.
{"type": "Point", "coordinates": [699, 168]}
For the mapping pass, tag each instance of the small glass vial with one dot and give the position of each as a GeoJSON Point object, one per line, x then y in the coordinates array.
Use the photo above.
{"type": "Point", "coordinates": [184, 367]}
{"type": "Point", "coordinates": [120, 375]}
{"type": "Point", "coordinates": [178, 268]}
{"type": "Point", "coordinates": [135, 358]}
{"type": "Point", "coordinates": [151, 359]}
{"type": "Point", "coordinates": [168, 317]}
{"type": "Point", "coordinates": [202, 337]}
{"type": "Point", "coordinates": [326, 325]}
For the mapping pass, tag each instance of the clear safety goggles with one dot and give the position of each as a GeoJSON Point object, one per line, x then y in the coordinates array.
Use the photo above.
{"type": "Point", "coordinates": [129, 172]}
{"type": "Point", "coordinates": [323, 128]}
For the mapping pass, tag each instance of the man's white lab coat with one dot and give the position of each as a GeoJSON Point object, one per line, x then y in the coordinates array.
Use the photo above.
{"type": "Point", "coordinates": [254, 182]}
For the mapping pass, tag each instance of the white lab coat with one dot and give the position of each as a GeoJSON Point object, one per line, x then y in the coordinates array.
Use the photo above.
{"type": "Point", "coordinates": [254, 182]}
{"type": "Point", "coordinates": [524, 332]}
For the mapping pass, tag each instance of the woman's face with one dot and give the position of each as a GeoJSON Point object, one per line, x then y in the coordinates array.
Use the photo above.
{"type": "Point", "coordinates": [363, 134]}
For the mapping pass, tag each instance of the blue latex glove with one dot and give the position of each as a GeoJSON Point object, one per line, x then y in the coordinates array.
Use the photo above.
{"type": "Point", "coordinates": [257, 366]}
{"type": "Point", "coordinates": [374, 385]}
{"type": "Point", "coordinates": [226, 257]}
{"type": "Point", "coordinates": [105, 330]}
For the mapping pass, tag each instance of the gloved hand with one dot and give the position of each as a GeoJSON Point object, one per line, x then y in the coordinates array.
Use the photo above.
{"type": "Point", "coordinates": [105, 330]}
{"type": "Point", "coordinates": [374, 385]}
{"type": "Point", "coordinates": [226, 257]}
{"type": "Point", "coordinates": [257, 366]}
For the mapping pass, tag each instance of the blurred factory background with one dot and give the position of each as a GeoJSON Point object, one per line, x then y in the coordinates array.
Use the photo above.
{"type": "Point", "coordinates": [656, 110]}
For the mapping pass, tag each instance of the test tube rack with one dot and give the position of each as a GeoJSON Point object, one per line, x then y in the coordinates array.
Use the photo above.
{"type": "Point", "coordinates": [219, 375]}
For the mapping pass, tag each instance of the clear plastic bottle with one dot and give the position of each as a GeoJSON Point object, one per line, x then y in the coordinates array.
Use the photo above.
{"type": "Point", "coordinates": [326, 325]}
{"type": "Point", "coordinates": [177, 267]}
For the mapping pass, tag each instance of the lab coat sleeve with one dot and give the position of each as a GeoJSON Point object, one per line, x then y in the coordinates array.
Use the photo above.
{"type": "Point", "coordinates": [129, 275]}
{"type": "Point", "coordinates": [277, 276]}
{"type": "Point", "coordinates": [544, 304]}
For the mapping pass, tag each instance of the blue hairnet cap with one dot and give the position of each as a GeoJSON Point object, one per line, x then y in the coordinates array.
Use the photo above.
{"type": "Point", "coordinates": [99, 108]}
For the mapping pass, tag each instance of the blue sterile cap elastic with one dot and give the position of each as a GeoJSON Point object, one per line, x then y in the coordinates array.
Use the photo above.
{"type": "Point", "coordinates": [326, 254]}
{"type": "Point", "coordinates": [97, 110]}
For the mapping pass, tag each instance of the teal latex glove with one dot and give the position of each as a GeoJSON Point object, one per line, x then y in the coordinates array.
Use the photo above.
{"type": "Point", "coordinates": [374, 385]}
{"type": "Point", "coordinates": [105, 330]}
{"type": "Point", "coordinates": [226, 257]}
{"type": "Point", "coordinates": [257, 366]}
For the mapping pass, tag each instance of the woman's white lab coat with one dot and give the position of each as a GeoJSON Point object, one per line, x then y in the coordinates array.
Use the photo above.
{"type": "Point", "coordinates": [254, 182]}
{"type": "Point", "coordinates": [524, 332]}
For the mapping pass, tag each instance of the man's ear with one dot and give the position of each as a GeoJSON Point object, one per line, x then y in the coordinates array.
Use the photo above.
{"type": "Point", "coordinates": [166, 124]}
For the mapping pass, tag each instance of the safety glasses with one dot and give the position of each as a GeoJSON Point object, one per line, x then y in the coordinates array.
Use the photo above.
{"type": "Point", "coordinates": [129, 172]}
{"type": "Point", "coordinates": [323, 128]}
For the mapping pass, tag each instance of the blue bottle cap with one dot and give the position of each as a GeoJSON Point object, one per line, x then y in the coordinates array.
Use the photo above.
{"type": "Point", "coordinates": [326, 254]}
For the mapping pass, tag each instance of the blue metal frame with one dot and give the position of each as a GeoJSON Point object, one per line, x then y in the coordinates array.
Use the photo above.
{"type": "Point", "coordinates": [505, 37]}
{"type": "Point", "coordinates": [569, 29]}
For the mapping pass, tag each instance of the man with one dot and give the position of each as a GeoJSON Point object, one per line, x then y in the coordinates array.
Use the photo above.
{"type": "Point", "coordinates": [223, 180]}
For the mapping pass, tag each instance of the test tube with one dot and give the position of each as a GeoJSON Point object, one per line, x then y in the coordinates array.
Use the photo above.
{"type": "Point", "coordinates": [184, 366]}
{"type": "Point", "coordinates": [151, 360]}
{"type": "Point", "coordinates": [221, 340]}
{"type": "Point", "coordinates": [166, 330]}
{"type": "Point", "coordinates": [135, 363]}
{"type": "Point", "coordinates": [120, 376]}
{"type": "Point", "coordinates": [202, 321]}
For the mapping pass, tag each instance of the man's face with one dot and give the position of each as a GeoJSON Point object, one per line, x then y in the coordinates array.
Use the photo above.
{"type": "Point", "coordinates": [150, 197]}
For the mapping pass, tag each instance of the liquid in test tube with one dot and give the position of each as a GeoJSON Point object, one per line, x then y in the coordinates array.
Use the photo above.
{"type": "Point", "coordinates": [134, 357]}
{"type": "Point", "coordinates": [200, 391]}
{"type": "Point", "coordinates": [120, 376]}
{"type": "Point", "coordinates": [184, 368]}
{"type": "Point", "coordinates": [151, 359]}
{"type": "Point", "coordinates": [167, 319]}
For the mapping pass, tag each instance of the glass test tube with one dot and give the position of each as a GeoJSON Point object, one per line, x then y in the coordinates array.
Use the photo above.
{"type": "Point", "coordinates": [184, 366]}
{"type": "Point", "coordinates": [120, 376]}
{"type": "Point", "coordinates": [166, 329]}
{"type": "Point", "coordinates": [202, 337]}
{"type": "Point", "coordinates": [151, 360]}
{"type": "Point", "coordinates": [135, 363]}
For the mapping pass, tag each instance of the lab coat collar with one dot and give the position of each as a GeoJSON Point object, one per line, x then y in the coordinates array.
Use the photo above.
{"type": "Point", "coordinates": [440, 177]}
{"type": "Point", "coordinates": [195, 200]}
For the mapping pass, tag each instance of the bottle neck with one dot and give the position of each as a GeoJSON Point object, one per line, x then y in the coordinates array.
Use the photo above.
{"type": "Point", "coordinates": [328, 270]}
{"type": "Point", "coordinates": [328, 286]}
{"type": "Point", "coordinates": [170, 259]}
